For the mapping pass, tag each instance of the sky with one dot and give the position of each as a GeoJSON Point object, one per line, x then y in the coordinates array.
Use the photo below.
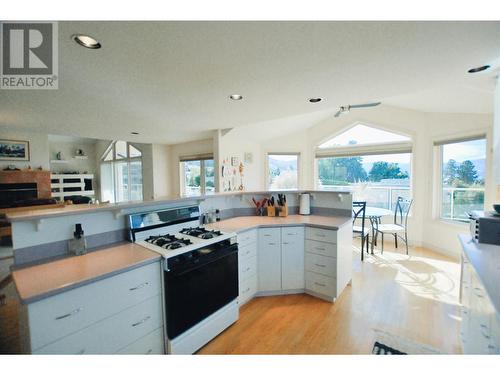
{"type": "Point", "coordinates": [471, 150]}
{"type": "Point", "coordinates": [364, 135]}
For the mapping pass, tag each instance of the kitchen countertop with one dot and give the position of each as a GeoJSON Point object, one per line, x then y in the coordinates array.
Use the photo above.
{"type": "Point", "coordinates": [74, 209]}
{"type": "Point", "coordinates": [243, 223]}
{"type": "Point", "coordinates": [486, 261]}
{"type": "Point", "coordinates": [43, 280]}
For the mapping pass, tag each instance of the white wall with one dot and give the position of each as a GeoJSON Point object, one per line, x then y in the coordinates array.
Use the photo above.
{"type": "Point", "coordinates": [496, 138]}
{"type": "Point", "coordinates": [162, 180]}
{"type": "Point", "coordinates": [38, 143]}
{"type": "Point", "coordinates": [68, 149]}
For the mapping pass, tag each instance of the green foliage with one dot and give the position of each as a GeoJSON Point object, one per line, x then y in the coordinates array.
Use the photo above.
{"type": "Point", "coordinates": [460, 175]}
{"type": "Point", "coordinates": [382, 170]}
{"type": "Point", "coordinates": [341, 171]}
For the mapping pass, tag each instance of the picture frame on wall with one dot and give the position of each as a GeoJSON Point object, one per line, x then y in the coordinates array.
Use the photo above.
{"type": "Point", "coordinates": [13, 150]}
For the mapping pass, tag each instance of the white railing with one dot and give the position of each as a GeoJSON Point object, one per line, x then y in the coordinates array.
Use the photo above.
{"type": "Point", "coordinates": [458, 211]}
{"type": "Point", "coordinates": [383, 196]}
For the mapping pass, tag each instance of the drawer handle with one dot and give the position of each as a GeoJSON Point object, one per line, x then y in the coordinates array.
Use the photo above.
{"type": "Point", "coordinates": [319, 265]}
{"type": "Point", "coordinates": [141, 321]}
{"type": "Point", "coordinates": [69, 314]}
{"type": "Point", "coordinates": [140, 286]}
{"type": "Point", "coordinates": [149, 351]}
{"type": "Point", "coordinates": [248, 269]}
{"type": "Point", "coordinates": [271, 243]}
{"type": "Point", "coordinates": [319, 284]}
{"type": "Point", "coordinates": [248, 252]}
{"type": "Point", "coordinates": [267, 235]}
{"type": "Point", "coordinates": [286, 243]}
{"type": "Point", "coordinates": [320, 235]}
{"type": "Point", "coordinates": [81, 351]}
{"type": "Point", "coordinates": [320, 248]}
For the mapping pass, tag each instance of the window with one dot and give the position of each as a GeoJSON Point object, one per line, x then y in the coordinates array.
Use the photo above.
{"type": "Point", "coordinates": [121, 173]}
{"type": "Point", "coordinates": [198, 175]}
{"type": "Point", "coordinates": [283, 171]}
{"type": "Point", "coordinates": [463, 165]}
{"type": "Point", "coordinates": [373, 164]}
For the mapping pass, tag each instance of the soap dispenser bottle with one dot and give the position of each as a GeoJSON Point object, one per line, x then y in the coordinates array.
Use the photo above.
{"type": "Point", "coordinates": [78, 244]}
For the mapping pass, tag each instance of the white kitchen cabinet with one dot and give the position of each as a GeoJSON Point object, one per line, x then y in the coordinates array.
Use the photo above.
{"type": "Point", "coordinates": [269, 260]}
{"type": "Point", "coordinates": [247, 265]}
{"type": "Point", "coordinates": [292, 258]}
{"type": "Point", "coordinates": [61, 323]}
{"type": "Point", "coordinates": [480, 331]}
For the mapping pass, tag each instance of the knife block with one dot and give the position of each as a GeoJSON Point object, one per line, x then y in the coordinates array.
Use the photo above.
{"type": "Point", "coordinates": [283, 210]}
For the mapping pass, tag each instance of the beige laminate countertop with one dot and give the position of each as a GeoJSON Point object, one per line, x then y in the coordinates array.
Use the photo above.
{"type": "Point", "coordinates": [43, 280]}
{"type": "Point", "coordinates": [242, 223]}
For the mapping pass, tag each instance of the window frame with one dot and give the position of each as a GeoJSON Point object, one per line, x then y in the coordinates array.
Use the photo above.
{"type": "Point", "coordinates": [182, 172]}
{"type": "Point", "coordinates": [438, 172]}
{"type": "Point", "coordinates": [281, 153]}
{"type": "Point", "coordinates": [111, 149]}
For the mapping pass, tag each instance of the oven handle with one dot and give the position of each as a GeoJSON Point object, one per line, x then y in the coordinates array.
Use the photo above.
{"type": "Point", "coordinates": [232, 250]}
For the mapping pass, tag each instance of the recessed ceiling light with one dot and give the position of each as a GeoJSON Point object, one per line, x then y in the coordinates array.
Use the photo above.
{"type": "Point", "coordinates": [86, 41]}
{"type": "Point", "coordinates": [236, 97]}
{"type": "Point", "coordinates": [134, 133]}
{"type": "Point", "coordinates": [315, 100]}
{"type": "Point", "coordinates": [478, 69]}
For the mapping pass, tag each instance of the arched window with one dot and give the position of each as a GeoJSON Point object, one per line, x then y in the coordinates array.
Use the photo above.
{"type": "Point", "coordinates": [121, 173]}
{"type": "Point", "coordinates": [374, 164]}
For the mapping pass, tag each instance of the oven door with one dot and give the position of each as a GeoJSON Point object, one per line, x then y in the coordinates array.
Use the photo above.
{"type": "Point", "coordinates": [195, 293]}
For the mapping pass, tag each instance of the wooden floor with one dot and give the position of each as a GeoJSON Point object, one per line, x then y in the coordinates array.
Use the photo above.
{"type": "Point", "coordinates": [414, 297]}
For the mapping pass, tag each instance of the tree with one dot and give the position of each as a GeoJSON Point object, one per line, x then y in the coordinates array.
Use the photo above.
{"type": "Point", "coordinates": [450, 172]}
{"type": "Point", "coordinates": [467, 172]}
{"type": "Point", "coordinates": [382, 170]}
{"type": "Point", "coordinates": [332, 171]}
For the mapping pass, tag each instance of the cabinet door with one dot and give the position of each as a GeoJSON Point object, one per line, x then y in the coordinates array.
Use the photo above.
{"type": "Point", "coordinates": [269, 260]}
{"type": "Point", "coordinates": [292, 258]}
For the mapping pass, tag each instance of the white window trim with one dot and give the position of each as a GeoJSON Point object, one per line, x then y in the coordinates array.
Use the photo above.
{"type": "Point", "coordinates": [112, 148]}
{"type": "Point", "coordinates": [182, 172]}
{"type": "Point", "coordinates": [437, 185]}
{"type": "Point", "coordinates": [266, 167]}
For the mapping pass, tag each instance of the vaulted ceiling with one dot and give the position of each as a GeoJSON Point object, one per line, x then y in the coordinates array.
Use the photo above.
{"type": "Point", "coordinates": [170, 81]}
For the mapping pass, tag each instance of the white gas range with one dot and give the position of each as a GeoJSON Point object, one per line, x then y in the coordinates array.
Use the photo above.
{"type": "Point", "coordinates": [200, 274]}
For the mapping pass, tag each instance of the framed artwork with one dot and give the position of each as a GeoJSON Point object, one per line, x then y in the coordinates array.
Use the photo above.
{"type": "Point", "coordinates": [14, 150]}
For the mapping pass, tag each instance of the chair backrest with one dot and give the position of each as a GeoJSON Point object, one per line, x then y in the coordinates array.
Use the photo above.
{"type": "Point", "coordinates": [359, 212]}
{"type": "Point", "coordinates": [402, 210]}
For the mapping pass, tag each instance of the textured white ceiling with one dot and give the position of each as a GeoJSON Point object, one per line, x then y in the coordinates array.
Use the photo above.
{"type": "Point", "coordinates": [170, 80]}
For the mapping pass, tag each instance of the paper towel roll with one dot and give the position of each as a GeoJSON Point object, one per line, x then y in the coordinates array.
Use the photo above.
{"type": "Point", "coordinates": [305, 204]}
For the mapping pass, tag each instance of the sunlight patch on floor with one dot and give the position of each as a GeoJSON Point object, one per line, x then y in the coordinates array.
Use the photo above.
{"type": "Point", "coordinates": [424, 277]}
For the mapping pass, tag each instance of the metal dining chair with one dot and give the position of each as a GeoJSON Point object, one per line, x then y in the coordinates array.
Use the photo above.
{"type": "Point", "coordinates": [363, 231]}
{"type": "Point", "coordinates": [399, 226]}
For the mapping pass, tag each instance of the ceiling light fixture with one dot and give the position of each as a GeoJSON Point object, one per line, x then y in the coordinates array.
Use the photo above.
{"type": "Point", "coordinates": [86, 41]}
{"type": "Point", "coordinates": [236, 97]}
{"type": "Point", "coordinates": [134, 133]}
{"type": "Point", "coordinates": [478, 69]}
{"type": "Point", "coordinates": [315, 100]}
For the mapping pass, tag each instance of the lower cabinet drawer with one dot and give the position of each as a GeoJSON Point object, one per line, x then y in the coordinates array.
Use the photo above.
{"type": "Point", "coordinates": [152, 343]}
{"type": "Point", "coordinates": [247, 267]}
{"type": "Point", "coordinates": [248, 288]}
{"type": "Point", "coordinates": [247, 251]}
{"type": "Point", "coordinates": [55, 317]}
{"type": "Point", "coordinates": [321, 284]}
{"type": "Point", "coordinates": [321, 264]}
{"type": "Point", "coordinates": [113, 333]}
{"type": "Point", "coordinates": [321, 248]}
{"type": "Point", "coordinates": [248, 237]}
{"type": "Point", "coordinates": [319, 234]}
